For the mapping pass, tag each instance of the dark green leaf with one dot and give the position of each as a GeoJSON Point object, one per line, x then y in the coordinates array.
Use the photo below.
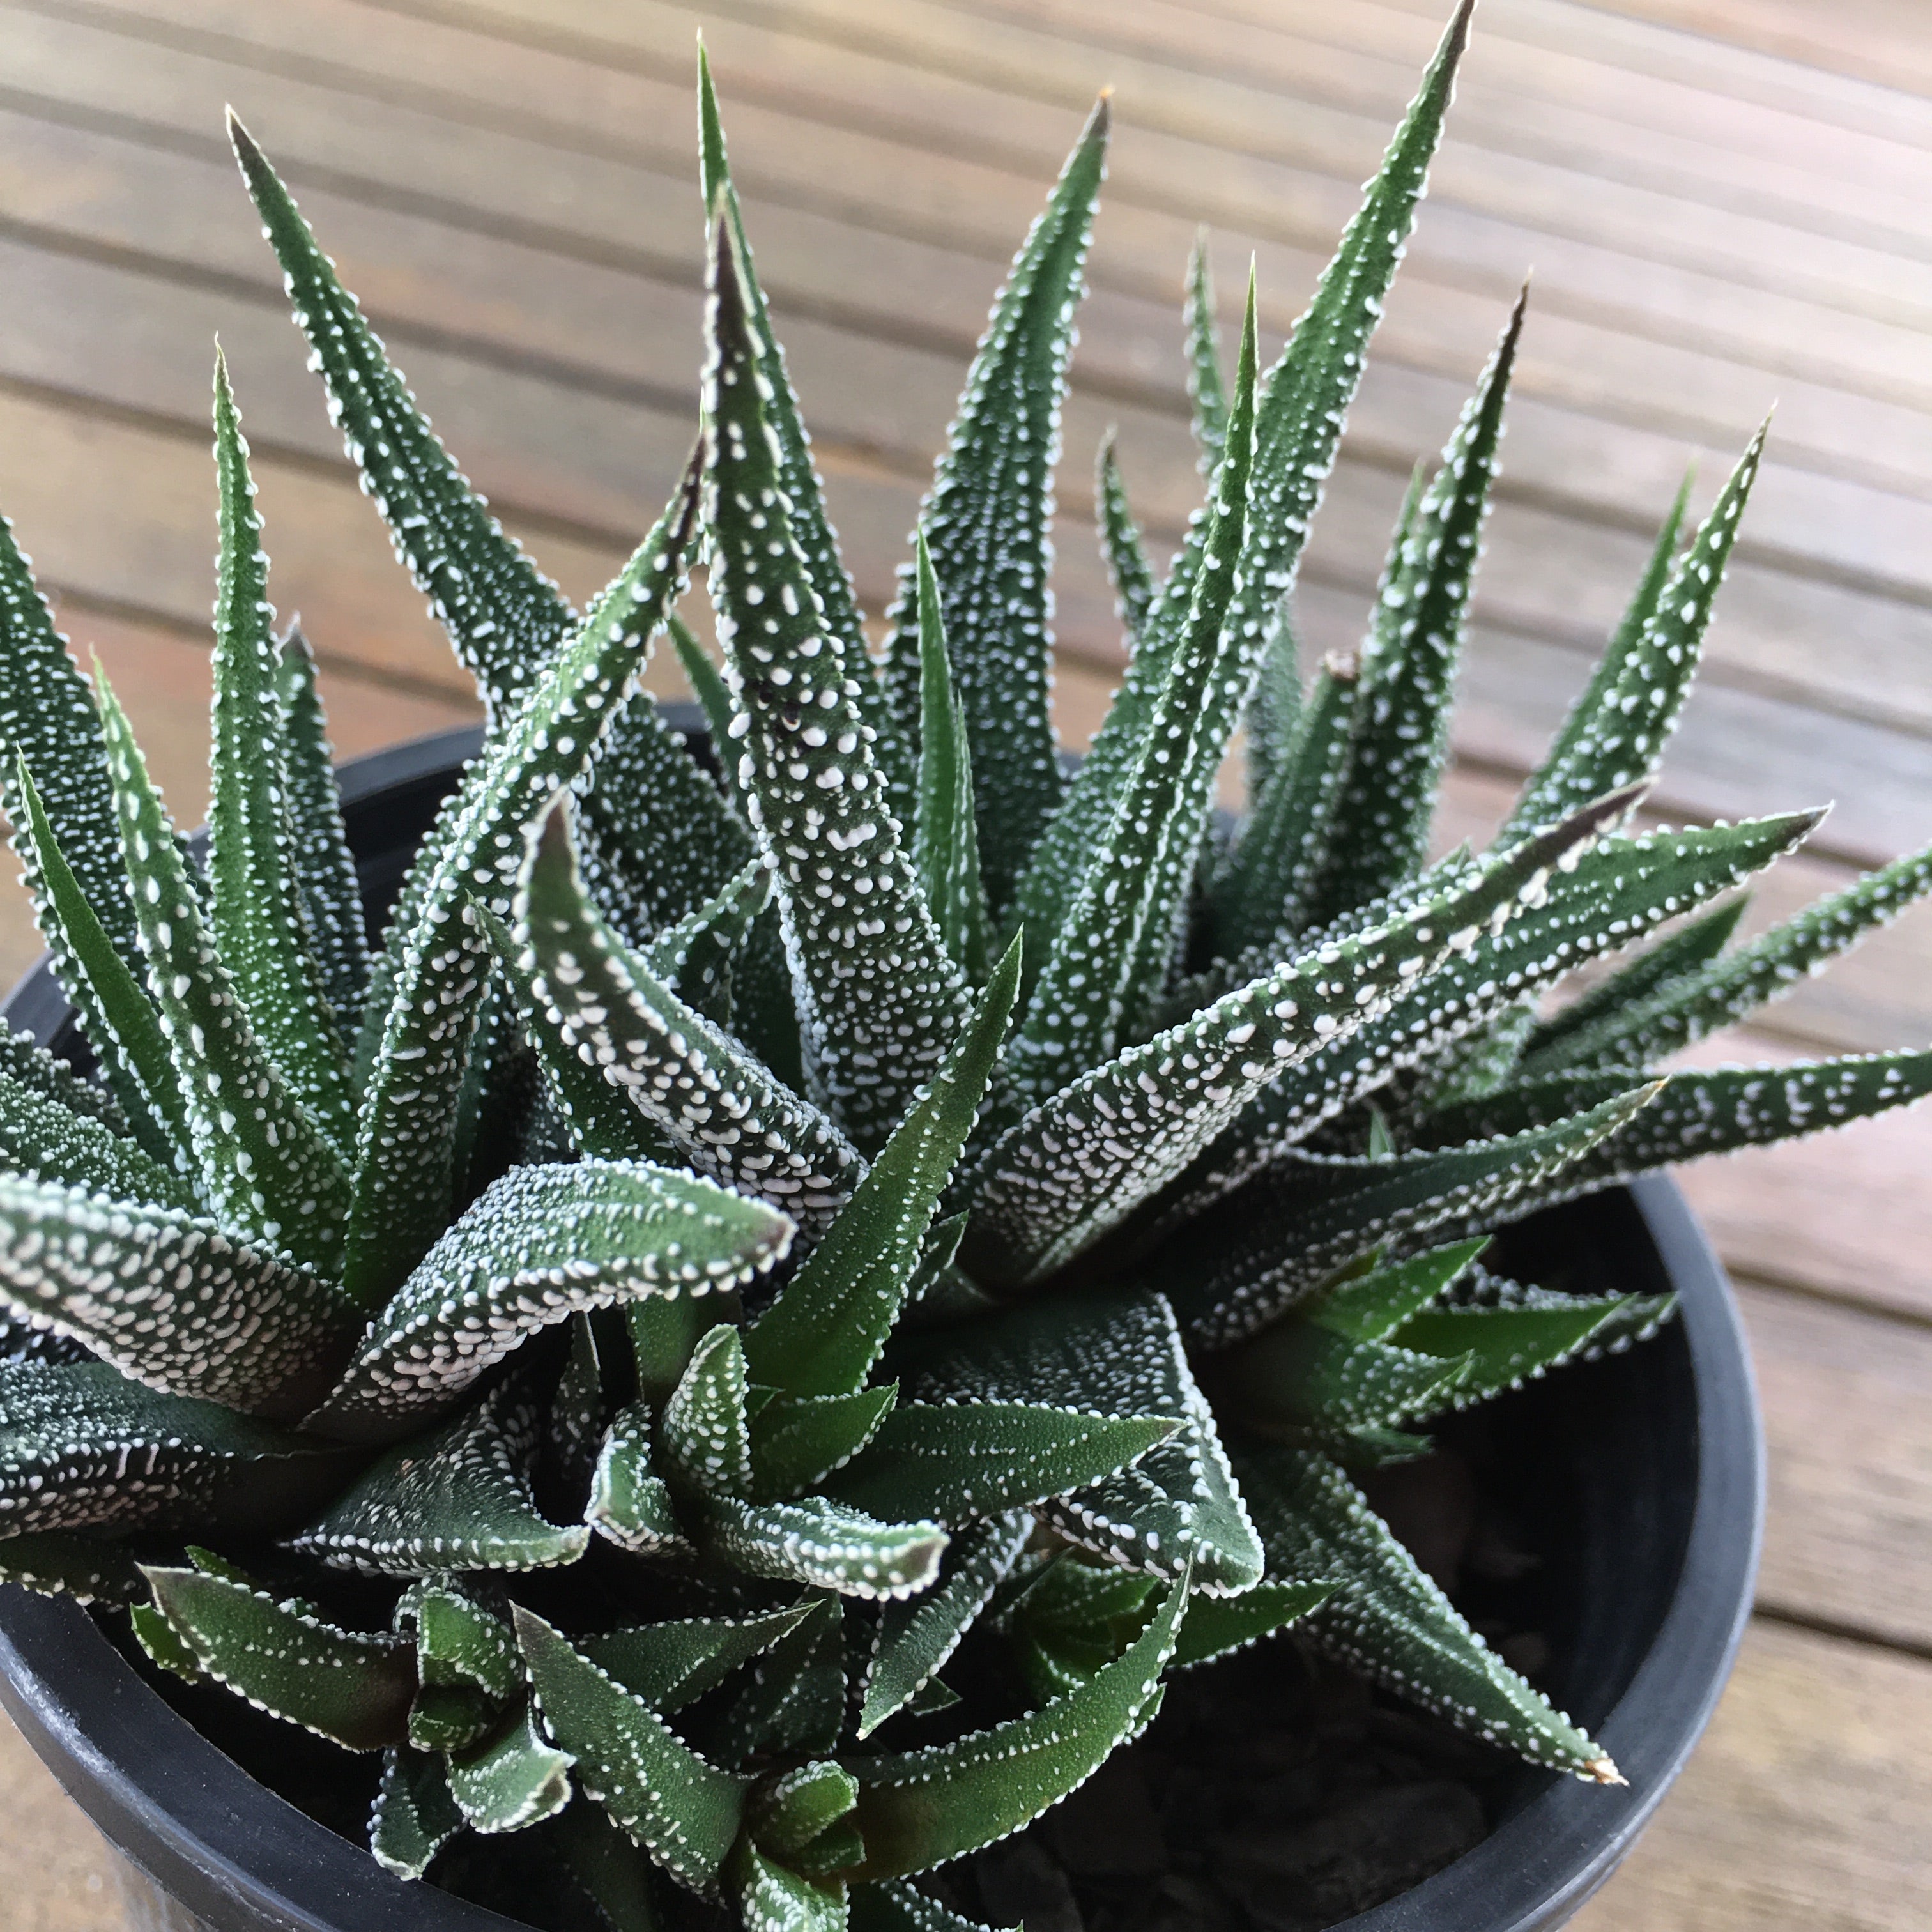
{"type": "Point", "coordinates": [1217, 1625]}
{"type": "Point", "coordinates": [1120, 543]}
{"type": "Point", "coordinates": [543, 1243]}
{"type": "Point", "coordinates": [414, 1816]}
{"type": "Point", "coordinates": [255, 913]}
{"type": "Point", "coordinates": [822, 1543]}
{"type": "Point", "coordinates": [946, 839]}
{"type": "Point", "coordinates": [921, 1808]}
{"type": "Point", "coordinates": [629, 1504]}
{"type": "Point", "coordinates": [671, 1665]}
{"type": "Point", "coordinates": [456, 1499]}
{"type": "Point", "coordinates": [65, 1563]}
{"type": "Point", "coordinates": [47, 1141]}
{"type": "Point", "coordinates": [794, 1703]}
{"type": "Point", "coordinates": [824, 1332]}
{"type": "Point", "coordinates": [879, 998]}
{"type": "Point", "coordinates": [913, 1639]}
{"type": "Point", "coordinates": [1386, 1618]}
{"type": "Point", "coordinates": [685, 1812]}
{"type": "Point", "coordinates": [987, 517]}
{"type": "Point", "coordinates": [799, 1440]}
{"type": "Point", "coordinates": [705, 1437]}
{"type": "Point", "coordinates": [511, 1780]}
{"type": "Point", "coordinates": [348, 1686]}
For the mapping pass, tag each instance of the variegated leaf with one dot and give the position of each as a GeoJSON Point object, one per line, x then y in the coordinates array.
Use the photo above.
{"type": "Point", "coordinates": [456, 1499]}
{"type": "Point", "coordinates": [542, 1244]}
{"type": "Point", "coordinates": [987, 517]}
{"type": "Point", "coordinates": [171, 1300]}
{"type": "Point", "coordinates": [878, 996]}
{"type": "Point", "coordinates": [1387, 1619]}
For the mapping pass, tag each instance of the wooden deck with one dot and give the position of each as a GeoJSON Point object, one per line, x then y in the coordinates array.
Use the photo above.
{"type": "Point", "coordinates": [1726, 203]}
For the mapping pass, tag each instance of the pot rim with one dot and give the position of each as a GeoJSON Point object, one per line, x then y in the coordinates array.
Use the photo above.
{"type": "Point", "coordinates": [213, 1837]}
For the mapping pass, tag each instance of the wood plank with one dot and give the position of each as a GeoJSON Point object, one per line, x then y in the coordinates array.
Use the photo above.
{"type": "Point", "coordinates": [163, 679]}
{"type": "Point", "coordinates": [852, 100]}
{"type": "Point", "coordinates": [1803, 1809]}
{"type": "Point", "coordinates": [1847, 1403]}
{"type": "Point", "coordinates": [1877, 40]}
{"type": "Point", "coordinates": [545, 448]}
{"type": "Point", "coordinates": [595, 325]}
{"type": "Point", "coordinates": [1678, 393]}
{"type": "Point", "coordinates": [60, 1875]}
{"type": "Point", "coordinates": [1702, 146]}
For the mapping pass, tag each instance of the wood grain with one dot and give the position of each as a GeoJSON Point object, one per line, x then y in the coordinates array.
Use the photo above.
{"type": "Point", "coordinates": [1804, 1810]}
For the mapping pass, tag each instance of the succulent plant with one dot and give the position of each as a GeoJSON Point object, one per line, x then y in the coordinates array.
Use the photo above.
{"type": "Point", "coordinates": [768, 1221]}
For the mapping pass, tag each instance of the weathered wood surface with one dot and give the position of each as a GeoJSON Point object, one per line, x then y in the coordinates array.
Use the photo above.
{"type": "Point", "coordinates": [1726, 204]}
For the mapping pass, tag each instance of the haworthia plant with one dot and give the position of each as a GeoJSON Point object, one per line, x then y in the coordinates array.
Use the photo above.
{"type": "Point", "coordinates": [743, 1335]}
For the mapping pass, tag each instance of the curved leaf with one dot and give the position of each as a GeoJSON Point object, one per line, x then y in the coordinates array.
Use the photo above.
{"type": "Point", "coordinates": [922, 1807]}
{"type": "Point", "coordinates": [169, 1299]}
{"type": "Point", "coordinates": [414, 1816]}
{"type": "Point", "coordinates": [822, 1543]}
{"type": "Point", "coordinates": [347, 1686]}
{"type": "Point", "coordinates": [824, 1332]}
{"type": "Point", "coordinates": [541, 1244]}
{"type": "Point", "coordinates": [458, 1499]}
{"type": "Point", "coordinates": [685, 1811]}
{"type": "Point", "coordinates": [43, 1138]}
{"type": "Point", "coordinates": [513, 1780]}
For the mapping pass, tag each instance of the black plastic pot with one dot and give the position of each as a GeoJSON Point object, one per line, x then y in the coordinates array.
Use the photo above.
{"type": "Point", "coordinates": [1645, 1471]}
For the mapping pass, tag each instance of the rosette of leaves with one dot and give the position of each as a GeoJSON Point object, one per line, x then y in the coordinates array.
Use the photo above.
{"type": "Point", "coordinates": [813, 1275]}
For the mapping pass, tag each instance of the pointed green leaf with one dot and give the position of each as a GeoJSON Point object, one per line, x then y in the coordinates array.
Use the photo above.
{"type": "Point", "coordinates": [946, 839]}
{"type": "Point", "coordinates": [1302, 1381]}
{"type": "Point", "coordinates": [1370, 1306]}
{"type": "Point", "coordinates": [266, 1168]}
{"type": "Point", "coordinates": [685, 1811]}
{"type": "Point", "coordinates": [788, 1814]}
{"type": "Point", "coordinates": [48, 724]}
{"type": "Point", "coordinates": [693, 957]}
{"type": "Point", "coordinates": [825, 1545]}
{"type": "Point", "coordinates": [824, 1332]}
{"type": "Point", "coordinates": [256, 914]}
{"type": "Point", "coordinates": [1301, 410]}
{"type": "Point", "coordinates": [543, 1243]}
{"type": "Point", "coordinates": [1261, 899]}
{"type": "Point", "coordinates": [1694, 945]}
{"type": "Point", "coordinates": [46, 1141]}
{"type": "Point", "coordinates": [348, 1686]}
{"type": "Point", "coordinates": [414, 1816]}
{"type": "Point", "coordinates": [1296, 1220]}
{"type": "Point", "coordinates": [1499, 1348]}
{"type": "Point", "coordinates": [1206, 388]}
{"type": "Point", "coordinates": [1217, 1626]}
{"type": "Point", "coordinates": [794, 1703]}
{"type": "Point", "coordinates": [622, 1047]}
{"type": "Point", "coordinates": [1274, 712]}
{"type": "Point", "coordinates": [1408, 663]}
{"type": "Point", "coordinates": [1722, 1109]}
{"type": "Point", "coordinates": [921, 1808]}
{"type": "Point", "coordinates": [1117, 1355]}
{"type": "Point", "coordinates": [954, 1461]}
{"type": "Point", "coordinates": [1616, 893]}
{"type": "Point", "coordinates": [325, 868]}
{"type": "Point", "coordinates": [459, 1642]}
{"type": "Point", "coordinates": [405, 1146]}
{"type": "Point", "coordinates": [616, 1875]}
{"type": "Point", "coordinates": [879, 998]}
{"type": "Point", "coordinates": [987, 517]}
{"type": "Point", "coordinates": [119, 1019]}
{"type": "Point", "coordinates": [169, 1299]}
{"type": "Point", "coordinates": [1052, 1185]}
{"type": "Point", "coordinates": [1386, 1618]}
{"type": "Point", "coordinates": [805, 495]}
{"type": "Point", "coordinates": [1616, 733]}
{"type": "Point", "coordinates": [65, 1563]}
{"type": "Point", "coordinates": [456, 1499]}
{"type": "Point", "coordinates": [1112, 957]}
{"type": "Point", "coordinates": [504, 617]}
{"type": "Point", "coordinates": [771, 1898]}
{"type": "Point", "coordinates": [673, 1664]}
{"type": "Point", "coordinates": [1120, 544]}
{"type": "Point", "coordinates": [1679, 1012]}
{"type": "Point", "coordinates": [797, 1441]}
{"type": "Point", "coordinates": [629, 1504]}
{"type": "Point", "coordinates": [24, 1060]}
{"type": "Point", "coordinates": [705, 1437]}
{"type": "Point", "coordinates": [913, 1639]}
{"type": "Point", "coordinates": [514, 1779]}
{"type": "Point", "coordinates": [708, 686]}
{"type": "Point", "coordinates": [896, 1906]}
